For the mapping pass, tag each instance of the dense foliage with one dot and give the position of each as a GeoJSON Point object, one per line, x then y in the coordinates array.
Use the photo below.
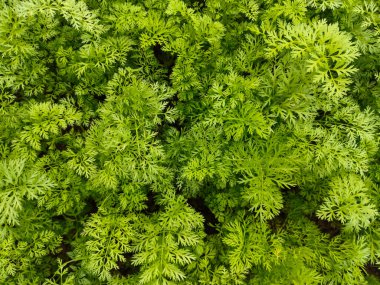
{"type": "Point", "coordinates": [189, 142]}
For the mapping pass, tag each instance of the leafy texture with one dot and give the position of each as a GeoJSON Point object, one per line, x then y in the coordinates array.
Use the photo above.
{"type": "Point", "coordinates": [215, 142]}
